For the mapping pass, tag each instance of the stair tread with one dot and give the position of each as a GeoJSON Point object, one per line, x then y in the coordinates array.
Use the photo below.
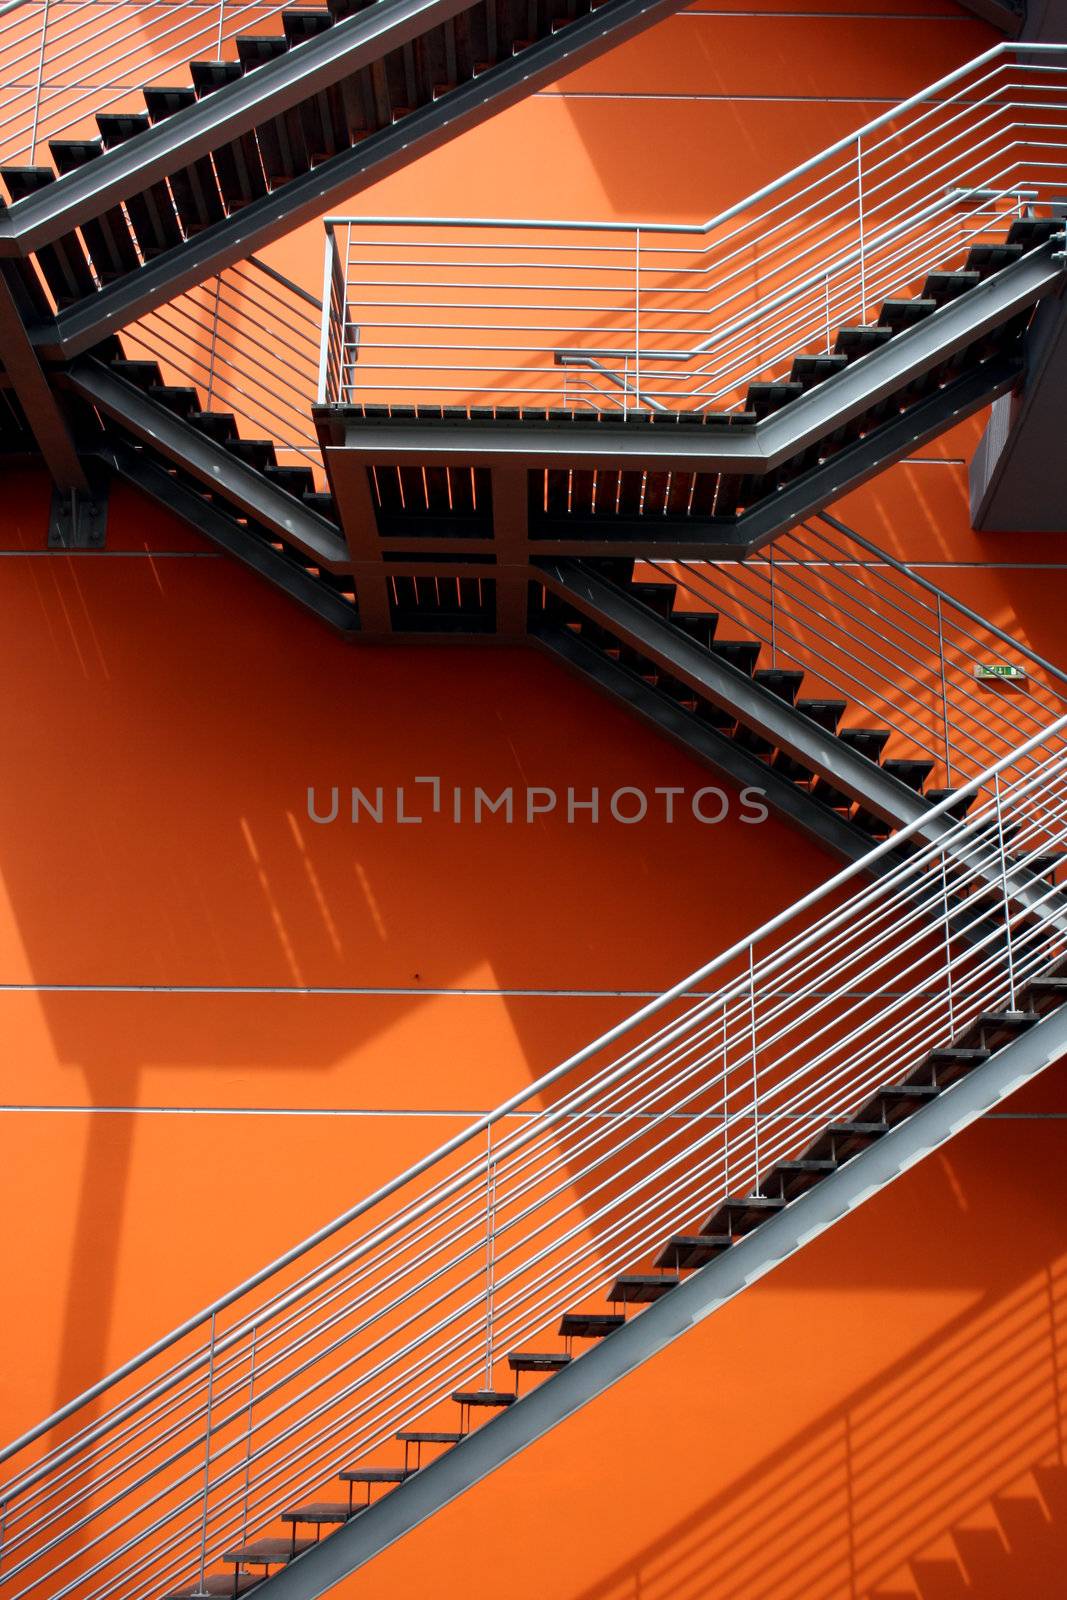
{"type": "Point", "coordinates": [374, 1474]}
{"type": "Point", "coordinates": [538, 1361]}
{"type": "Point", "coordinates": [317, 1511]}
{"type": "Point", "coordinates": [265, 1552]}
{"type": "Point", "coordinates": [420, 1436]}
{"type": "Point", "coordinates": [691, 1250]}
{"type": "Point", "coordinates": [483, 1397]}
{"type": "Point", "coordinates": [588, 1325]}
{"type": "Point", "coordinates": [641, 1288]}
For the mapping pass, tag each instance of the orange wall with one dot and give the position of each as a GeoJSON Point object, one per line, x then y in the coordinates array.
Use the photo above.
{"type": "Point", "coordinates": [212, 1009]}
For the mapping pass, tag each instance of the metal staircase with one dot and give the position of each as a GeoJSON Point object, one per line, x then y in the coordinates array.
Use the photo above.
{"type": "Point", "coordinates": [685, 391]}
{"type": "Point", "coordinates": [138, 202]}
{"type": "Point", "coordinates": [290, 1431]}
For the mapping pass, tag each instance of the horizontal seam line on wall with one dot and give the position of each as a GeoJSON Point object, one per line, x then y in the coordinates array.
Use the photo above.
{"type": "Point", "coordinates": [725, 99]}
{"type": "Point", "coordinates": [402, 1111]}
{"type": "Point", "coordinates": [402, 993]}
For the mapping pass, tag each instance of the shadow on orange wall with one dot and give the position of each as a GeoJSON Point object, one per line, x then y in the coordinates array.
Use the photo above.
{"type": "Point", "coordinates": [884, 1416]}
{"type": "Point", "coordinates": [175, 931]}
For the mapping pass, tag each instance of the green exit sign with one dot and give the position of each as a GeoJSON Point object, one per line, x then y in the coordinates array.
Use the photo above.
{"type": "Point", "coordinates": [1000, 671]}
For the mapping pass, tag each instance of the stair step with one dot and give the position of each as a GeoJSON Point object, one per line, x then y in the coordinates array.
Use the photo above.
{"type": "Point", "coordinates": [144, 374]}
{"type": "Point", "coordinates": [1045, 993]}
{"type": "Point", "coordinates": [787, 1179]}
{"type": "Point", "coordinates": [491, 1399]}
{"type": "Point", "coordinates": [901, 314]}
{"type": "Point", "coordinates": [538, 1361]}
{"type": "Point", "coordinates": [697, 625]}
{"type": "Point", "coordinates": [857, 342]}
{"type": "Point", "coordinates": [740, 653]}
{"type": "Point", "coordinates": [658, 597]}
{"type": "Point", "coordinates": [641, 1288]}
{"type": "Point", "coordinates": [789, 767]}
{"type": "Point", "coordinates": [319, 1512]}
{"type": "Point", "coordinates": [322, 501]}
{"type": "Point", "coordinates": [302, 25]}
{"type": "Point", "coordinates": [685, 1252]}
{"type": "Point", "coordinates": [741, 1213]}
{"type": "Point", "coordinates": [588, 1325]}
{"type": "Point", "coordinates": [827, 713]}
{"type": "Point", "coordinates": [962, 806]}
{"type": "Point", "coordinates": [913, 773]}
{"type": "Point", "coordinates": [1042, 866]}
{"type": "Point", "coordinates": [841, 1140]}
{"type": "Point", "coordinates": [765, 398]}
{"type": "Point", "coordinates": [810, 370]}
{"type": "Point", "coordinates": [946, 1065]}
{"type": "Point", "coordinates": [258, 453]}
{"type": "Point", "coordinates": [177, 398]}
{"type": "Point", "coordinates": [420, 1436]}
{"type": "Point", "coordinates": [869, 742]}
{"type": "Point", "coordinates": [830, 795]}
{"type": "Point", "coordinates": [945, 286]}
{"type": "Point", "coordinates": [871, 823]}
{"type": "Point", "coordinates": [218, 425]}
{"type": "Point", "coordinates": [896, 1101]}
{"type": "Point", "coordinates": [163, 100]}
{"type": "Point", "coordinates": [780, 681]}
{"type": "Point", "coordinates": [1032, 231]}
{"type": "Point", "coordinates": [265, 1552]}
{"type": "Point", "coordinates": [997, 1028]}
{"type": "Point", "coordinates": [748, 739]}
{"type": "Point", "coordinates": [374, 1474]}
{"type": "Point", "coordinates": [256, 49]}
{"type": "Point", "coordinates": [986, 259]}
{"type": "Point", "coordinates": [225, 1584]}
{"type": "Point", "coordinates": [296, 481]}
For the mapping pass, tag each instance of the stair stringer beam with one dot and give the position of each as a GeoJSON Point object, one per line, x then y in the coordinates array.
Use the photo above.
{"type": "Point", "coordinates": [227, 533]}
{"type": "Point", "coordinates": [734, 691]}
{"type": "Point", "coordinates": [780, 723]}
{"type": "Point", "coordinates": [215, 466]}
{"type": "Point", "coordinates": [817, 820]}
{"type": "Point", "coordinates": [699, 1296]}
{"type": "Point", "coordinates": [661, 446]}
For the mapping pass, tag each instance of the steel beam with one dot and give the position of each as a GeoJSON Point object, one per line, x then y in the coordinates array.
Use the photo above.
{"type": "Point", "coordinates": [228, 534]}
{"type": "Point", "coordinates": [215, 466]}
{"type": "Point", "coordinates": [1018, 474]}
{"type": "Point", "coordinates": [43, 411]}
{"type": "Point", "coordinates": [827, 829]}
{"type": "Point", "coordinates": [697, 1297]}
{"type": "Point", "coordinates": [672, 445]}
{"type": "Point", "coordinates": [303, 199]}
{"type": "Point", "coordinates": [734, 691]}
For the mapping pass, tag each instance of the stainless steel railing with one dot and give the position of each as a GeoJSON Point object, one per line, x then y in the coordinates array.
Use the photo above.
{"type": "Point", "coordinates": [905, 655]}
{"type": "Point", "coordinates": [248, 342]}
{"type": "Point", "coordinates": [612, 316]}
{"type": "Point", "coordinates": [314, 1363]}
{"type": "Point", "coordinates": [62, 61]}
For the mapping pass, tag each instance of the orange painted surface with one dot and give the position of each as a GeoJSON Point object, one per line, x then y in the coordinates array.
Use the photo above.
{"type": "Point", "coordinates": [868, 1423]}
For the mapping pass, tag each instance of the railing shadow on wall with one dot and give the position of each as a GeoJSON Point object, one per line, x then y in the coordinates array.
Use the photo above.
{"type": "Point", "coordinates": [425, 1285]}
{"type": "Point", "coordinates": [966, 1427]}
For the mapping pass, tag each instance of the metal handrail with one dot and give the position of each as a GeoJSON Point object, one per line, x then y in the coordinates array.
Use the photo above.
{"type": "Point", "coordinates": [248, 342]}
{"type": "Point", "coordinates": [616, 1149]}
{"type": "Point", "coordinates": [136, 41]}
{"type": "Point", "coordinates": [453, 309]}
{"type": "Point", "coordinates": [903, 653]}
